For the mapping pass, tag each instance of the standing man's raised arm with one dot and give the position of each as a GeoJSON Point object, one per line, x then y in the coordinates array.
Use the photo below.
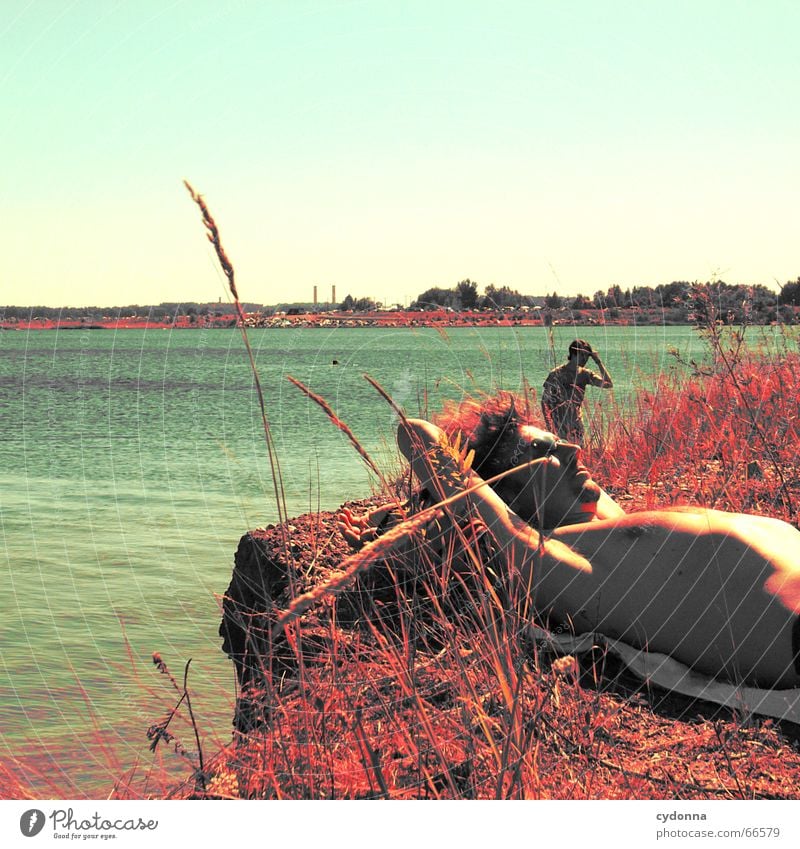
{"type": "Point", "coordinates": [607, 383]}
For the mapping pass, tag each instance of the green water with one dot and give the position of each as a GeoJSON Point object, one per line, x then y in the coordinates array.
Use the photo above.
{"type": "Point", "coordinates": [130, 464]}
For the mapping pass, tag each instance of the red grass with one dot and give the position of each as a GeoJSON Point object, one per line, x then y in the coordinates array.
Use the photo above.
{"type": "Point", "coordinates": [728, 440]}
{"type": "Point", "coordinates": [419, 681]}
{"type": "Point", "coordinates": [419, 685]}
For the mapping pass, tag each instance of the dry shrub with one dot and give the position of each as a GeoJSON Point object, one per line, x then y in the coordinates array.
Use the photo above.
{"type": "Point", "coordinates": [728, 439]}
{"type": "Point", "coordinates": [421, 681]}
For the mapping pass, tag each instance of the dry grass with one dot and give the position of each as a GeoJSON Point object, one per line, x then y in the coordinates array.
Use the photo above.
{"type": "Point", "coordinates": [407, 687]}
{"type": "Point", "coordinates": [417, 678]}
{"type": "Point", "coordinates": [727, 438]}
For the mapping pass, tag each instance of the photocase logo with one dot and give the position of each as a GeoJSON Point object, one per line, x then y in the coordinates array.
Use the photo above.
{"type": "Point", "coordinates": [31, 822]}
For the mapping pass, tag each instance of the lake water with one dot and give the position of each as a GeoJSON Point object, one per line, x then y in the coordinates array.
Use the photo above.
{"type": "Point", "coordinates": [130, 464]}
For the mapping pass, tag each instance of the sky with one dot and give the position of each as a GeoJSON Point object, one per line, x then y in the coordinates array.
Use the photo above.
{"type": "Point", "coordinates": [387, 147]}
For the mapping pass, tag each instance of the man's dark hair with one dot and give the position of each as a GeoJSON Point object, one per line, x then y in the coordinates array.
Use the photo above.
{"type": "Point", "coordinates": [579, 346]}
{"type": "Point", "coordinates": [491, 428]}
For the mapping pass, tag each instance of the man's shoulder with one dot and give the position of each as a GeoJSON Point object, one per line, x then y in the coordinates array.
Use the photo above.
{"type": "Point", "coordinates": [557, 373]}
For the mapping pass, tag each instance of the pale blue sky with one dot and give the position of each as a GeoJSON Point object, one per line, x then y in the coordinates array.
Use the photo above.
{"type": "Point", "coordinates": [387, 146]}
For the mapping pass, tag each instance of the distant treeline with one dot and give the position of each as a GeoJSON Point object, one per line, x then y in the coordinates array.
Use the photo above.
{"type": "Point", "coordinates": [165, 312]}
{"type": "Point", "coordinates": [679, 301]}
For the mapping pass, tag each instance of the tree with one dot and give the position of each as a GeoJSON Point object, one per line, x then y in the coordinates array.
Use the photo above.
{"type": "Point", "coordinates": [642, 296]}
{"type": "Point", "coordinates": [467, 293]}
{"type": "Point", "coordinates": [351, 304]}
{"type": "Point", "coordinates": [435, 297]}
{"type": "Point", "coordinates": [581, 302]}
{"type": "Point", "coordinates": [503, 298]}
{"type": "Point", "coordinates": [491, 298]}
{"type": "Point", "coordinates": [677, 292]}
{"type": "Point", "coordinates": [614, 296]}
{"type": "Point", "coordinates": [790, 293]}
{"type": "Point", "coordinates": [762, 297]}
{"type": "Point", "coordinates": [554, 301]}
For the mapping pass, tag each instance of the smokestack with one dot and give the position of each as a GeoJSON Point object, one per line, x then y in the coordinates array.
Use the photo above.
{"type": "Point", "coordinates": [315, 295]}
{"type": "Point", "coordinates": [333, 294]}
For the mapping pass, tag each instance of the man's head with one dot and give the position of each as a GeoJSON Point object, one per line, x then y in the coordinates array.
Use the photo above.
{"type": "Point", "coordinates": [580, 350]}
{"type": "Point", "coordinates": [557, 489]}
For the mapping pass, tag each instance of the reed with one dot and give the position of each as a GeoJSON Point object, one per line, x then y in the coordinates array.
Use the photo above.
{"type": "Point", "coordinates": [728, 439]}
{"type": "Point", "coordinates": [213, 236]}
{"type": "Point", "coordinates": [408, 671]}
{"type": "Point", "coordinates": [415, 675]}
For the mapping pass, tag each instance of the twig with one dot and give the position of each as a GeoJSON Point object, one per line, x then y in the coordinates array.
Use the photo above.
{"type": "Point", "coordinates": [202, 772]}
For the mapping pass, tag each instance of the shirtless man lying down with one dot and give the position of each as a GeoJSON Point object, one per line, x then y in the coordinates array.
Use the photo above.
{"type": "Point", "coordinates": [718, 591]}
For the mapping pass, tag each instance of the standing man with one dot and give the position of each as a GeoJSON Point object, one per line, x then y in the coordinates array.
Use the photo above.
{"type": "Point", "coordinates": [564, 388]}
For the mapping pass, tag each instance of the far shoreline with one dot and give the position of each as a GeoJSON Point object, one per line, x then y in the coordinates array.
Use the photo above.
{"type": "Point", "coordinates": [438, 319]}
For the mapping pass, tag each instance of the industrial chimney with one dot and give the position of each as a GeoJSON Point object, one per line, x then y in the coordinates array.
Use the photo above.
{"type": "Point", "coordinates": [315, 295]}
{"type": "Point", "coordinates": [333, 294]}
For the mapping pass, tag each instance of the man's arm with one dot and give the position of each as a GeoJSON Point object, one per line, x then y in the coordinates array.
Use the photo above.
{"type": "Point", "coordinates": [605, 377]}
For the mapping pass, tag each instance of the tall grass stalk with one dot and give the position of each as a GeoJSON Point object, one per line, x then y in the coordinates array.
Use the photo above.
{"type": "Point", "coordinates": [434, 688]}
{"type": "Point", "coordinates": [228, 270]}
{"type": "Point", "coordinates": [407, 669]}
{"type": "Point", "coordinates": [342, 426]}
